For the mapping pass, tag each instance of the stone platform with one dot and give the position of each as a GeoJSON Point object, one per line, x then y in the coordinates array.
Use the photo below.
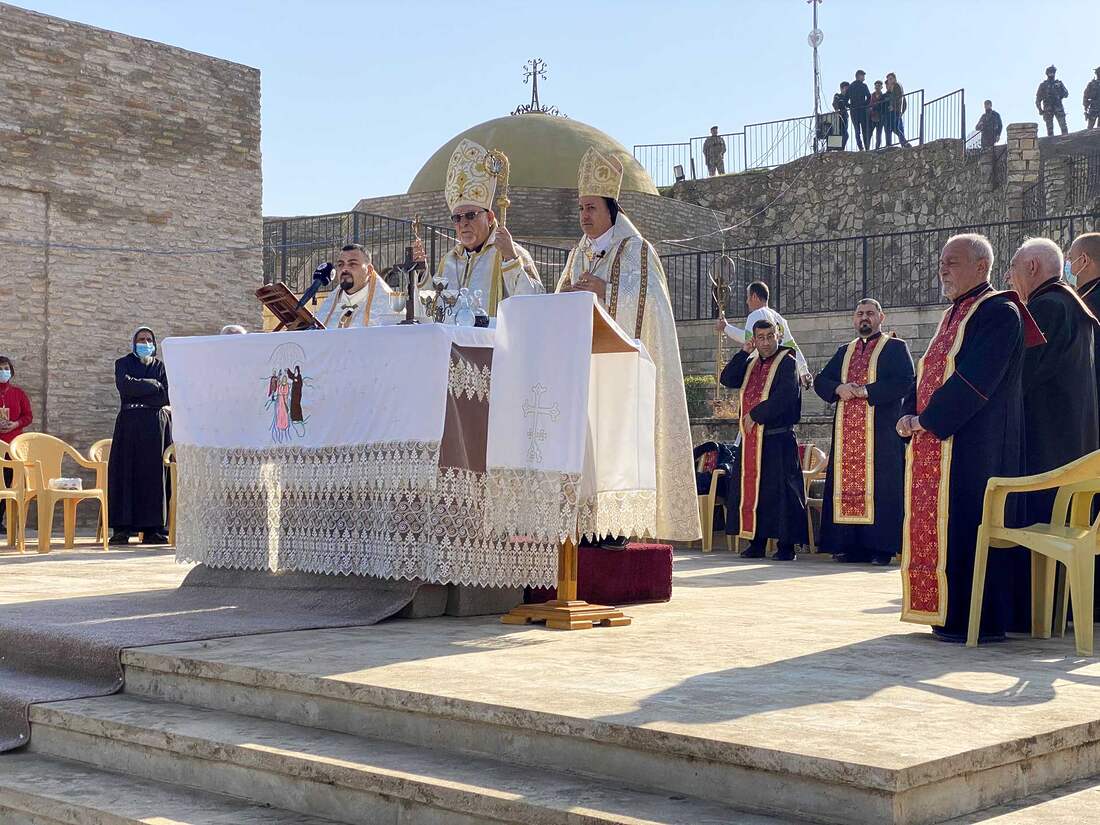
{"type": "Point", "coordinates": [762, 693]}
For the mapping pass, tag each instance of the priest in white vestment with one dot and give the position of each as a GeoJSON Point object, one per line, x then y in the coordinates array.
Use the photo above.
{"type": "Point", "coordinates": [485, 259]}
{"type": "Point", "coordinates": [624, 271]}
{"type": "Point", "coordinates": [361, 299]}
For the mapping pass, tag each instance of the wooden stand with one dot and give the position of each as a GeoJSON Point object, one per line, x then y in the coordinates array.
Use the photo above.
{"type": "Point", "coordinates": [566, 612]}
{"type": "Point", "coordinates": [284, 306]}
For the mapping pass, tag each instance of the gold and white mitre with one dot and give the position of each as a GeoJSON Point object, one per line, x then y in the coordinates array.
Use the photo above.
{"type": "Point", "coordinates": [469, 180]}
{"type": "Point", "coordinates": [599, 175]}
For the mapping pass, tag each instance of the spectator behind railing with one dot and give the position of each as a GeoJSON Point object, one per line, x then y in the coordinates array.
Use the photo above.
{"type": "Point", "coordinates": [15, 413]}
{"type": "Point", "coordinates": [876, 114]}
{"type": "Point", "coordinates": [859, 99]}
{"type": "Point", "coordinates": [895, 111]}
{"type": "Point", "coordinates": [840, 106]}
{"type": "Point", "coordinates": [714, 152]}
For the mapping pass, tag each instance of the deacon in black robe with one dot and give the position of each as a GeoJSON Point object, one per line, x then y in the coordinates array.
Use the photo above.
{"type": "Point", "coordinates": [981, 406]}
{"type": "Point", "coordinates": [781, 506]}
{"type": "Point", "coordinates": [894, 376]}
{"type": "Point", "coordinates": [137, 485]}
{"type": "Point", "coordinates": [1060, 410]}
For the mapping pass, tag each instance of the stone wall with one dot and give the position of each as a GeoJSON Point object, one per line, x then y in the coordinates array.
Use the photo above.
{"type": "Point", "coordinates": [839, 194]}
{"type": "Point", "coordinates": [111, 141]}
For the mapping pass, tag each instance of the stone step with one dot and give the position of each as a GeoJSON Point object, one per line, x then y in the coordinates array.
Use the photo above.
{"type": "Point", "coordinates": [352, 779]}
{"type": "Point", "coordinates": [774, 782]}
{"type": "Point", "coordinates": [39, 790]}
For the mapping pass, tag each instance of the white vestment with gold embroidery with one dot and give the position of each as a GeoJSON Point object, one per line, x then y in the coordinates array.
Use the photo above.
{"type": "Point", "coordinates": [474, 270]}
{"type": "Point", "coordinates": [677, 503]}
{"type": "Point", "coordinates": [339, 302]}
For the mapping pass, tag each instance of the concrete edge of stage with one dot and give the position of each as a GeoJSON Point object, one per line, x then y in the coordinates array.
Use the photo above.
{"type": "Point", "coordinates": [941, 787]}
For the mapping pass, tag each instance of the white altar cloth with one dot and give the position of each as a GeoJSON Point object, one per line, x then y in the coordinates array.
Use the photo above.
{"type": "Point", "coordinates": [363, 451]}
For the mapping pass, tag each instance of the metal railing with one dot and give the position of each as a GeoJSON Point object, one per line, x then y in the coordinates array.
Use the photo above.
{"type": "Point", "coordinates": [775, 142]}
{"type": "Point", "coordinates": [1082, 179]}
{"type": "Point", "coordinates": [293, 247]}
{"type": "Point", "coordinates": [830, 275]}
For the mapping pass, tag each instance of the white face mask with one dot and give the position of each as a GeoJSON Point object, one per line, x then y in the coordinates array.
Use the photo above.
{"type": "Point", "coordinates": [1067, 271]}
{"type": "Point", "coordinates": [5, 375]}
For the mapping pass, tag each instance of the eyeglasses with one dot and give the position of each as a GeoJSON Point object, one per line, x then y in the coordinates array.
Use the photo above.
{"type": "Point", "coordinates": [469, 216]}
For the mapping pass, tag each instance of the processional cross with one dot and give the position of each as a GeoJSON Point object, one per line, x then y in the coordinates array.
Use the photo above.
{"type": "Point", "coordinates": [537, 411]}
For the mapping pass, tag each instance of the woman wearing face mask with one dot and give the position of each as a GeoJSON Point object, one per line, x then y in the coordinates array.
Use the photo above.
{"type": "Point", "coordinates": [137, 480]}
{"type": "Point", "coordinates": [15, 414]}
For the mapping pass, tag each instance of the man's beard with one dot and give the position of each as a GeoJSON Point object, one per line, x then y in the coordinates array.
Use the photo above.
{"type": "Point", "coordinates": [865, 329]}
{"type": "Point", "coordinates": [347, 284]}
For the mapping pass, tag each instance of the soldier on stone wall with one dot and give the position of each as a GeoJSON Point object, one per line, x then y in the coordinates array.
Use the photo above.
{"type": "Point", "coordinates": [1092, 101]}
{"type": "Point", "coordinates": [1048, 100]}
{"type": "Point", "coordinates": [714, 152]}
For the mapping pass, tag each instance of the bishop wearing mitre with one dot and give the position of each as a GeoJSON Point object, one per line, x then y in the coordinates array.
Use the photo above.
{"type": "Point", "coordinates": [622, 269]}
{"type": "Point", "coordinates": [362, 298]}
{"type": "Point", "coordinates": [485, 259]}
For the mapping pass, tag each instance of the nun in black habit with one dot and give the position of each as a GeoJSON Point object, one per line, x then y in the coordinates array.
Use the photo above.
{"type": "Point", "coordinates": [137, 480]}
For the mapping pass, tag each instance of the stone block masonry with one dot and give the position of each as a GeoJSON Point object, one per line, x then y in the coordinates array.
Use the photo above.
{"type": "Point", "coordinates": [108, 140]}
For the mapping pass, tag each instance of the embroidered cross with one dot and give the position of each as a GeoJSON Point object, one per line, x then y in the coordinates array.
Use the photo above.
{"type": "Point", "coordinates": [536, 434]}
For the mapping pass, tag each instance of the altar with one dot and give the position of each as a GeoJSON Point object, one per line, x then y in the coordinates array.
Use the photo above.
{"type": "Point", "coordinates": [445, 454]}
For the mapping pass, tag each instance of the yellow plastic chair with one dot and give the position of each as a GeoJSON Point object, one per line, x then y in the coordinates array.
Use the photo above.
{"type": "Point", "coordinates": [42, 455]}
{"type": "Point", "coordinates": [100, 452]}
{"type": "Point", "coordinates": [707, 503]}
{"type": "Point", "coordinates": [170, 463]}
{"type": "Point", "coordinates": [14, 498]}
{"type": "Point", "coordinates": [1072, 543]}
{"type": "Point", "coordinates": [814, 461]}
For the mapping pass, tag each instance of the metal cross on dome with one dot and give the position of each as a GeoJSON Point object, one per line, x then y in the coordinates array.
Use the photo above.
{"type": "Point", "coordinates": [533, 69]}
{"type": "Point", "coordinates": [536, 410]}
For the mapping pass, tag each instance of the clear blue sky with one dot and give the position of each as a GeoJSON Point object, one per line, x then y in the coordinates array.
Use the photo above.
{"type": "Point", "coordinates": [357, 95]}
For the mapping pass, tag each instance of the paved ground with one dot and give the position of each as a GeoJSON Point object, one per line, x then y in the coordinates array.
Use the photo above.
{"type": "Point", "coordinates": [807, 658]}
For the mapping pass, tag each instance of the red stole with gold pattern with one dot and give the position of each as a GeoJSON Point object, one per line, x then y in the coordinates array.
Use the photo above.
{"type": "Point", "coordinates": [928, 480]}
{"type": "Point", "coordinates": [854, 439]}
{"type": "Point", "coordinates": [755, 388]}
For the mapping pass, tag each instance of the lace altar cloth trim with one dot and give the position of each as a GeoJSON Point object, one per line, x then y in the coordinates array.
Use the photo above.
{"type": "Point", "coordinates": [468, 379]}
{"type": "Point", "coordinates": [630, 513]}
{"type": "Point", "coordinates": [377, 510]}
{"type": "Point", "coordinates": [521, 498]}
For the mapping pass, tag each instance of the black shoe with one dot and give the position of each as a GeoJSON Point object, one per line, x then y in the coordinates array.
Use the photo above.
{"type": "Point", "coordinates": [785, 555]}
{"type": "Point", "coordinates": [753, 553]}
{"type": "Point", "coordinates": [119, 537]}
{"type": "Point", "coordinates": [848, 558]}
{"type": "Point", "coordinates": [155, 538]}
{"type": "Point", "coordinates": [882, 559]}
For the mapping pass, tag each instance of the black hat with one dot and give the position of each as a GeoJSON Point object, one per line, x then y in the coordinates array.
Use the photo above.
{"type": "Point", "coordinates": [1051, 69]}
{"type": "Point", "coordinates": [860, 72]}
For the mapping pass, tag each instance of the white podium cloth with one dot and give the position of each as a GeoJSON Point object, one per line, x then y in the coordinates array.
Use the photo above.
{"type": "Point", "coordinates": [571, 418]}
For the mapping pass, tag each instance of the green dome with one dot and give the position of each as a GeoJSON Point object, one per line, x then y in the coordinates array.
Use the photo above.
{"type": "Point", "coordinates": [543, 152]}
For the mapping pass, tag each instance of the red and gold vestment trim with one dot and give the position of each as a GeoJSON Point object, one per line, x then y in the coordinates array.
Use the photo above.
{"type": "Point", "coordinates": [928, 480]}
{"type": "Point", "coordinates": [755, 388]}
{"type": "Point", "coordinates": [854, 439]}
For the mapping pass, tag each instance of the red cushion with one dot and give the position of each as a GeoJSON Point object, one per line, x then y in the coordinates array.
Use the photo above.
{"type": "Point", "coordinates": [708, 461]}
{"type": "Point", "coordinates": [642, 572]}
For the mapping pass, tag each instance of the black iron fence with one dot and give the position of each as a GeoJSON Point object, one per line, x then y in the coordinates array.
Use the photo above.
{"type": "Point", "coordinates": [775, 142]}
{"type": "Point", "coordinates": [830, 275]}
{"type": "Point", "coordinates": [293, 247]}
{"type": "Point", "coordinates": [827, 275]}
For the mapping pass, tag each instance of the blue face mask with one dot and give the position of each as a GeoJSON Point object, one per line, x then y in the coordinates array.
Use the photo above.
{"type": "Point", "coordinates": [144, 350]}
{"type": "Point", "coordinates": [5, 376]}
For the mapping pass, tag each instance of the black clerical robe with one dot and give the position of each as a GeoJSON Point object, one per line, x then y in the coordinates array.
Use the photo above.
{"type": "Point", "coordinates": [872, 525]}
{"type": "Point", "coordinates": [137, 486]}
{"type": "Point", "coordinates": [1060, 411]}
{"type": "Point", "coordinates": [1090, 294]}
{"type": "Point", "coordinates": [975, 413]}
{"type": "Point", "coordinates": [780, 511]}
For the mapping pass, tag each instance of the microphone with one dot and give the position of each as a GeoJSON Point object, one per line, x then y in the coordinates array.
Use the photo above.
{"type": "Point", "coordinates": [322, 276]}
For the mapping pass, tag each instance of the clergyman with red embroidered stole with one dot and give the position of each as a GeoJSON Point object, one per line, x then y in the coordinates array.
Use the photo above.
{"type": "Point", "coordinates": [867, 379]}
{"type": "Point", "coordinates": [964, 414]}
{"type": "Point", "coordinates": [767, 500]}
